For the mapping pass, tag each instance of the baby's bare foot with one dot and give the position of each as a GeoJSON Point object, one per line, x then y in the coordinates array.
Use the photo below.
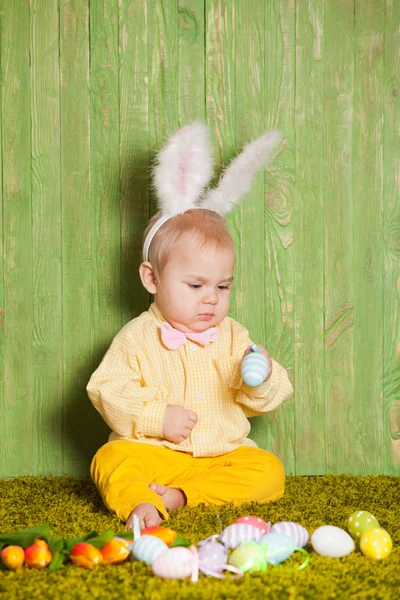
{"type": "Point", "coordinates": [173, 497]}
{"type": "Point", "coordinates": [147, 514]}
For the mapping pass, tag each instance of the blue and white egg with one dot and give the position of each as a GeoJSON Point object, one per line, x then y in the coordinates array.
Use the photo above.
{"type": "Point", "coordinates": [255, 369]}
{"type": "Point", "coordinates": [148, 548]}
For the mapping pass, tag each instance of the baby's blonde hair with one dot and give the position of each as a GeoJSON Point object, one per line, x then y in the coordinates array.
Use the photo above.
{"type": "Point", "coordinates": [205, 225]}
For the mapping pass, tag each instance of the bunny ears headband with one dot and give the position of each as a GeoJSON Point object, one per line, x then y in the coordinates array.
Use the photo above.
{"type": "Point", "coordinates": [184, 168]}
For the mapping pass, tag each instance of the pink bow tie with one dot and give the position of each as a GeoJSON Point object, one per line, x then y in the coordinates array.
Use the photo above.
{"type": "Point", "coordinates": [173, 338]}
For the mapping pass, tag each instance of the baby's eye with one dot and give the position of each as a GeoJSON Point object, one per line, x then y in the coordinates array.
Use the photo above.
{"type": "Point", "coordinates": [223, 287]}
{"type": "Point", "coordinates": [195, 286]}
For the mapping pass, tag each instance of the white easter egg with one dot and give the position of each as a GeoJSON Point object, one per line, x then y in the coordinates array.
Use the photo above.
{"type": "Point", "coordinates": [238, 533]}
{"type": "Point", "coordinates": [176, 563]}
{"type": "Point", "coordinates": [297, 532]}
{"type": "Point", "coordinates": [255, 368]}
{"type": "Point", "coordinates": [332, 541]}
{"type": "Point", "coordinates": [148, 548]}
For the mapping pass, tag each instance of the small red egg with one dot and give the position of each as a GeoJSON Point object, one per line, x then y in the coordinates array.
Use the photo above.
{"type": "Point", "coordinates": [37, 556]}
{"type": "Point", "coordinates": [255, 522]}
{"type": "Point", "coordinates": [85, 555]}
{"type": "Point", "coordinates": [115, 552]}
{"type": "Point", "coordinates": [163, 533]}
{"type": "Point", "coordinates": [12, 557]}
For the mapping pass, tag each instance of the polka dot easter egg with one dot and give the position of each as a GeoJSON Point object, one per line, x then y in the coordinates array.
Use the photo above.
{"type": "Point", "coordinates": [359, 522]}
{"type": "Point", "coordinates": [297, 532]}
{"type": "Point", "coordinates": [376, 543]}
{"type": "Point", "coordinates": [255, 522]}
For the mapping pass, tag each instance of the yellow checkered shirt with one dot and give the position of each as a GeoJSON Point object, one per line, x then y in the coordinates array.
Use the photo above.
{"type": "Point", "coordinates": [139, 377]}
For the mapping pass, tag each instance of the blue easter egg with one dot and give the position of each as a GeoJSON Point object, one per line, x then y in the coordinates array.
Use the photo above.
{"type": "Point", "coordinates": [148, 548]}
{"type": "Point", "coordinates": [255, 369]}
{"type": "Point", "coordinates": [277, 547]}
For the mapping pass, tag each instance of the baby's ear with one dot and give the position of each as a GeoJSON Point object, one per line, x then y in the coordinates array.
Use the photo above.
{"type": "Point", "coordinates": [148, 277]}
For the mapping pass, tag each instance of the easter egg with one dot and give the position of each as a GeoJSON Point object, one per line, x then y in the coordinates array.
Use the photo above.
{"type": "Point", "coordinates": [256, 522]}
{"type": "Point", "coordinates": [163, 533]}
{"type": "Point", "coordinates": [361, 521]}
{"type": "Point", "coordinates": [85, 555]}
{"type": "Point", "coordinates": [212, 556]}
{"type": "Point", "coordinates": [237, 533]}
{"type": "Point", "coordinates": [115, 552]}
{"type": "Point", "coordinates": [332, 541]}
{"type": "Point", "coordinates": [297, 532]}
{"type": "Point", "coordinates": [37, 556]}
{"type": "Point", "coordinates": [248, 557]}
{"type": "Point", "coordinates": [12, 557]}
{"type": "Point", "coordinates": [376, 543]}
{"type": "Point", "coordinates": [255, 369]}
{"type": "Point", "coordinates": [148, 548]}
{"type": "Point", "coordinates": [277, 547]}
{"type": "Point", "coordinates": [175, 563]}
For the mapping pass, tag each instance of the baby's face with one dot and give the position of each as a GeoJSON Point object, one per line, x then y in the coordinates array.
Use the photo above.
{"type": "Point", "coordinates": [193, 291]}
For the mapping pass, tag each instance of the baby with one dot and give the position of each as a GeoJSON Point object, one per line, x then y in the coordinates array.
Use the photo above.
{"type": "Point", "coordinates": [170, 385]}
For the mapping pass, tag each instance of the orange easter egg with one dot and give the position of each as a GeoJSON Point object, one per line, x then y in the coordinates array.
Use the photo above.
{"type": "Point", "coordinates": [163, 533]}
{"type": "Point", "coordinates": [115, 552]}
{"type": "Point", "coordinates": [37, 556]}
{"type": "Point", "coordinates": [85, 555]}
{"type": "Point", "coordinates": [12, 557]}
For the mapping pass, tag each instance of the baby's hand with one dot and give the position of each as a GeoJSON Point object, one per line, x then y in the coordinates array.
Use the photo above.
{"type": "Point", "coordinates": [178, 423]}
{"type": "Point", "coordinates": [265, 352]}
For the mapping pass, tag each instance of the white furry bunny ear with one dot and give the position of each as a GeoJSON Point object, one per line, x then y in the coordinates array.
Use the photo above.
{"type": "Point", "coordinates": [184, 167]}
{"type": "Point", "coordinates": [237, 178]}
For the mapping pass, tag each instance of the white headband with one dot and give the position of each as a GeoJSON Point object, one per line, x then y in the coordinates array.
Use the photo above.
{"type": "Point", "coordinates": [184, 168]}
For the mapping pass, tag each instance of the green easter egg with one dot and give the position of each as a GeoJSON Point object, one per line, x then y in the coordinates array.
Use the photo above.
{"type": "Point", "coordinates": [248, 557]}
{"type": "Point", "coordinates": [359, 522]}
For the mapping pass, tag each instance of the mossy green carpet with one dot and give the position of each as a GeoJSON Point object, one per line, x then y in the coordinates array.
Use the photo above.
{"type": "Point", "coordinates": [73, 507]}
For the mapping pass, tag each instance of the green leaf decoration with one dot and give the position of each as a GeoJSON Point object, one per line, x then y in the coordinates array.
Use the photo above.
{"type": "Point", "coordinates": [180, 541]}
{"type": "Point", "coordinates": [25, 537]}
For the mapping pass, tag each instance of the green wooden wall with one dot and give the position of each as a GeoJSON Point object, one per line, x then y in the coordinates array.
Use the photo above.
{"type": "Point", "coordinates": [89, 92]}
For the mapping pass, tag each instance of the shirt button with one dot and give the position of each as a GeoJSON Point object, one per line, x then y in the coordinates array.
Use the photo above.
{"type": "Point", "coordinates": [200, 439]}
{"type": "Point", "coordinates": [200, 395]}
{"type": "Point", "coordinates": [193, 347]}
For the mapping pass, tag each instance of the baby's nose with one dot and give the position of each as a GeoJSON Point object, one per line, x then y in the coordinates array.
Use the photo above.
{"type": "Point", "coordinates": [211, 298]}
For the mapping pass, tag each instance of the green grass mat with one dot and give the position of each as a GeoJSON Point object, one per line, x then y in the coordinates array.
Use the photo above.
{"type": "Point", "coordinates": [73, 507]}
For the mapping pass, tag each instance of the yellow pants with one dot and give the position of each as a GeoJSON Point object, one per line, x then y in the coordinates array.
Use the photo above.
{"type": "Point", "coordinates": [123, 471]}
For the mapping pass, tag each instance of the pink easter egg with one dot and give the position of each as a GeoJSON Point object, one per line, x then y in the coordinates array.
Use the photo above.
{"type": "Point", "coordinates": [256, 522]}
{"type": "Point", "coordinates": [176, 563]}
{"type": "Point", "coordinates": [297, 532]}
{"type": "Point", "coordinates": [237, 533]}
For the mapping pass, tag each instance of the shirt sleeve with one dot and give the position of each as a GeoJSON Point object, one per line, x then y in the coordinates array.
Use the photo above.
{"type": "Point", "coordinates": [269, 394]}
{"type": "Point", "coordinates": [129, 408]}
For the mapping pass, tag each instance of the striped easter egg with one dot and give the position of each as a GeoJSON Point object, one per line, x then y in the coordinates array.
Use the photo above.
{"type": "Point", "coordinates": [255, 368]}
{"type": "Point", "coordinates": [238, 533]}
{"type": "Point", "coordinates": [297, 532]}
{"type": "Point", "coordinates": [148, 548]}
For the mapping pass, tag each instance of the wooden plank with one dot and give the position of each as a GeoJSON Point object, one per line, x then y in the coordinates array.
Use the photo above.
{"type": "Point", "coordinates": [79, 436]}
{"type": "Point", "coordinates": [134, 150]}
{"type": "Point", "coordinates": [2, 253]}
{"type": "Point", "coordinates": [276, 430]}
{"type": "Point", "coordinates": [367, 428]}
{"type": "Point", "coordinates": [220, 89]}
{"type": "Point", "coordinates": [46, 235]}
{"type": "Point", "coordinates": [191, 61]}
{"type": "Point", "coordinates": [341, 455]}
{"type": "Point", "coordinates": [308, 219]}
{"type": "Point", "coordinates": [17, 412]}
{"type": "Point", "coordinates": [250, 123]}
{"type": "Point", "coordinates": [105, 184]}
{"type": "Point", "coordinates": [163, 73]}
{"type": "Point", "coordinates": [391, 241]}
